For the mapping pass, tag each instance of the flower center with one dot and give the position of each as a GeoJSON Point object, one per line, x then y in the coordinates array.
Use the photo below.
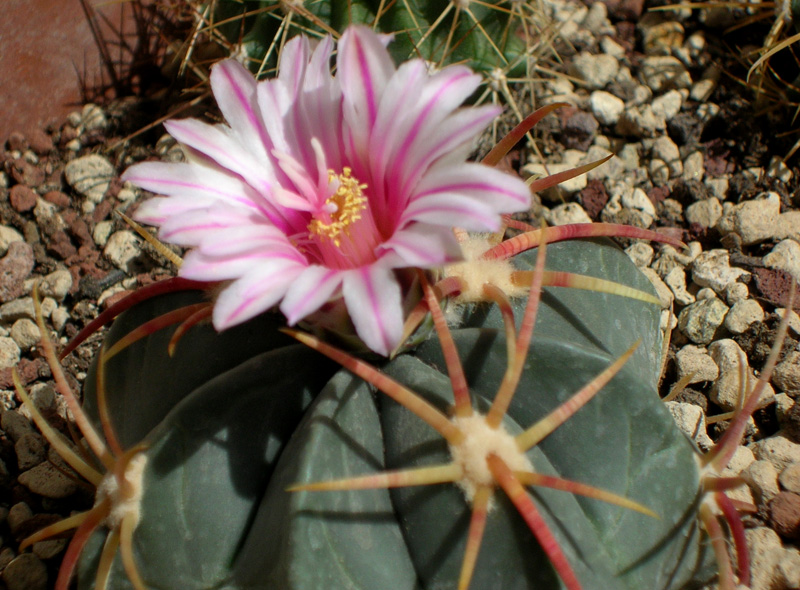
{"type": "Point", "coordinates": [342, 209]}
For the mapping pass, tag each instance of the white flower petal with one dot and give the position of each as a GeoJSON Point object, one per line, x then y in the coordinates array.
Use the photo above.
{"type": "Point", "coordinates": [253, 294]}
{"type": "Point", "coordinates": [422, 245]}
{"type": "Point", "coordinates": [373, 299]}
{"type": "Point", "coordinates": [309, 292]}
{"type": "Point", "coordinates": [235, 92]}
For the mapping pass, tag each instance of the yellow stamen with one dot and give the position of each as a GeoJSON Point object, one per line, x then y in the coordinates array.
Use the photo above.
{"type": "Point", "coordinates": [349, 201]}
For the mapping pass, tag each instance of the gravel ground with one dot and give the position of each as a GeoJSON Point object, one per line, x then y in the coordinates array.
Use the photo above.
{"type": "Point", "coordinates": [692, 156]}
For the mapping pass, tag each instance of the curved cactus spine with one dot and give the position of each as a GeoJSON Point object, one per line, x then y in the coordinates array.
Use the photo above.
{"type": "Point", "coordinates": [119, 490]}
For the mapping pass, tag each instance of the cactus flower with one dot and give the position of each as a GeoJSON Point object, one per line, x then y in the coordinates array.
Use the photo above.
{"type": "Point", "coordinates": [320, 187]}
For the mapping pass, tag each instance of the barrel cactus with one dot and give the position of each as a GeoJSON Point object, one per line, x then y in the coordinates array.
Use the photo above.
{"type": "Point", "coordinates": [247, 459]}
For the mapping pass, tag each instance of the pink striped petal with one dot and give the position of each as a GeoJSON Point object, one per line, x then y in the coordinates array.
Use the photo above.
{"type": "Point", "coordinates": [309, 292]}
{"type": "Point", "coordinates": [221, 146]}
{"type": "Point", "coordinates": [501, 191]}
{"type": "Point", "coordinates": [189, 179]}
{"type": "Point", "coordinates": [235, 91]}
{"type": "Point", "coordinates": [243, 240]}
{"type": "Point", "coordinates": [422, 245]}
{"type": "Point", "coordinates": [455, 209]}
{"type": "Point", "coordinates": [364, 69]}
{"type": "Point", "coordinates": [372, 296]}
{"type": "Point", "coordinates": [253, 294]}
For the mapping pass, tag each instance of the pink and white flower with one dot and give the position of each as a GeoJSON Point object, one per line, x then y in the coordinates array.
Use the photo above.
{"type": "Point", "coordinates": [320, 186]}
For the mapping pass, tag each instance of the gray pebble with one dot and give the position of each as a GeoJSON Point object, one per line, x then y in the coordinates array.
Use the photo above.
{"type": "Point", "coordinates": [18, 515]}
{"type": "Point", "coordinates": [695, 360]}
{"type": "Point", "coordinates": [705, 213]}
{"type": "Point", "coordinates": [762, 478]}
{"type": "Point", "coordinates": [47, 481]}
{"type": "Point", "coordinates": [30, 451]}
{"type": "Point", "coordinates": [662, 73]}
{"type": "Point", "coordinates": [713, 269]}
{"type": "Point", "coordinates": [25, 333]}
{"type": "Point", "coordinates": [56, 285]}
{"type": "Point", "coordinates": [790, 478]}
{"type": "Point", "coordinates": [15, 424]}
{"type": "Point", "coordinates": [726, 390]}
{"type": "Point", "coordinates": [787, 374]}
{"type": "Point", "coordinates": [122, 248]}
{"type": "Point", "coordinates": [742, 315]}
{"type": "Point", "coordinates": [25, 572]}
{"type": "Point", "coordinates": [700, 320]}
{"type": "Point", "coordinates": [90, 176]}
{"type": "Point", "coordinates": [9, 352]}
{"type": "Point", "coordinates": [49, 549]}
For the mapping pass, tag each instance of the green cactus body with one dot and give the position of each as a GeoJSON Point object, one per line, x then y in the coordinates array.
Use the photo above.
{"type": "Point", "coordinates": [421, 29]}
{"type": "Point", "coordinates": [216, 513]}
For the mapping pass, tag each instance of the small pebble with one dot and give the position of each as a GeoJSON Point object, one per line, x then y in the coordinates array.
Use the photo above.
{"type": "Point", "coordinates": [726, 390]}
{"type": "Point", "coordinates": [595, 70]}
{"type": "Point", "coordinates": [30, 451]}
{"type": "Point", "coordinates": [47, 481]}
{"type": "Point", "coordinates": [790, 478]}
{"type": "Point", "coordinates": [713, 269]}
{"type": "Point", "coordinates": [691, 421]}
{"type": "Point", "coordinates": [742, 315]}
{"type": "Point", "coordinates": [695, 360]}
{"type": "Point", "coordinates": [25, 334]}
{"type": "Point", "coordinates": [762, 478]}
{"type": "Point", "coordinates": [15, 425]}
{"type": "Point", "coordinates": [606, 107]}
{"type": "Point", "coordinates": [704, 213]}
{"type": "Point", "coordinates": [90, 176]}
{"type": "Point", "coordinates": [15, 267]}
{"type": "Point", "coordinates": [25, 572]}
{"type": "Point", "coordinates": [786, 375]}
{"type": "Point", "coordinates": [777, 449]}
{"type": "Point", "coordinates": [785, 256]}
{"type": "Point", "coordinates": [784, 512]}
{"type": "Point", "coordinates": [700, 320]}
{"type": "Point", "coordinates": [765, 553]}
{"type": "Point", "coordinates": [662, 73]}
{"type": "Point", "coordinates": [676, 281]}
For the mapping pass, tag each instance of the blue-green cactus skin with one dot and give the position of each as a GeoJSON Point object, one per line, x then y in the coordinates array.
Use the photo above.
{"type": "Point", "coordinates": [259, 536]}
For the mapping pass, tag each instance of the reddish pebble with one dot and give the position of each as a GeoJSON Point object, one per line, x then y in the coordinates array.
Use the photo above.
{"type": "Point", "coordinates": [784, 511]}
{"type": "Point", "coordinates": [112, 299]}
{"type": "Point", "coordinates": [26, 173]}
{"type": "Point", "coordinates": [61, 245]}
{"type": "Point", "coordinates": [22, 198]}
{"type": "Point", "coordinates": [58, 199]}
{"type": "Point", "coordinates": [29, 370]}
{"type": "Point", "coordinates": [41, 143]}
{"type": "Point", "coordinates": [15, 267]}
{"type": "Point", "coordinates": [17, 141]}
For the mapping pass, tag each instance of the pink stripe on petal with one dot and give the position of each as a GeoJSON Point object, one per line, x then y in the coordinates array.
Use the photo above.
{"type": "Point", "coordinates": [252, 295]}
{"type": "Point", "coordinates": [235, 92]}
{"type": "Point", "coordinates": [422, 245]}
{"type": "Point", "coordinates": [373, 299]}
{"type": "Point", "coordinates": [309, 292]}
{"type": "Point", "coordinates": [453, 210]}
